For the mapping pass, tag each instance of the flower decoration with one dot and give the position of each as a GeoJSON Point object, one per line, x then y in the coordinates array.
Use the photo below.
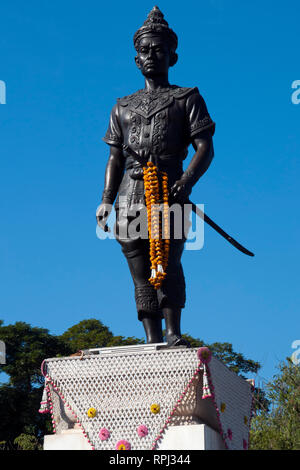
{"type": "Point", "coordinates": [245, 444]}
{"type": "Point", "coordinates": [142, 430]}
{"type": "Point", "coordinates": [159, 233]}
{"type": "Point", "coordinates": [123, 445]}
{"type": "Point", "coordinates": [223, 407]}
{"type": "Point", "coordinates": [204, 355]}
{"type": "Point", "coordinates": [104, 434]}
{"type": "Point", "coordinates": [91, 412]}
{"type": "Point", "coordinates": [155, 408]}
{"type": "Point", "coordinates": [246, 420]}
{"type": "Point", "coordinates": [229, 434]}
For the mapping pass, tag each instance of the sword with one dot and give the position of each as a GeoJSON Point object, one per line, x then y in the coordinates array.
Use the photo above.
{"type": "Point", "coordinates": [218, 229]}
{"type": "Point", "coordinates": [198, 211]}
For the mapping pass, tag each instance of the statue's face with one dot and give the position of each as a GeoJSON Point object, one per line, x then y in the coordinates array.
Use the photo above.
{"type": "Point", "coordinates": [153, 56]}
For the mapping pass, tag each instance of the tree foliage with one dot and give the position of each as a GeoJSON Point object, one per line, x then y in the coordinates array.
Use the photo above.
{"type": "Point", "coordinates": [92, 333]}
{"type": "Point", "coordinates": [279, 427]}
{"type": "Point", "coordinates": [224, 351]}
{"type": "Point", "coordinates": [27, 441]}
{"type": "Point", "coordinates": [26, 348]}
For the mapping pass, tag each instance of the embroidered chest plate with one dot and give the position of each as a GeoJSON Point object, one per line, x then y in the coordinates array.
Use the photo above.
{"type": "Point", "coordinates": [148, 117]}
{"type": "Point", "coordinates": [147, 103]}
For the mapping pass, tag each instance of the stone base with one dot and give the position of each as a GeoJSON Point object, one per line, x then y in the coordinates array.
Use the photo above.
{"type": "Point", "coordinates": [192, 437]}
{"type": "Point", "coordinates": [72, 439]}
{"type": "Point", "coordinates": [178, 402]}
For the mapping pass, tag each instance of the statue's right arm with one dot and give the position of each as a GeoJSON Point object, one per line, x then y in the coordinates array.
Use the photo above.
{"type": "Point", "coordinates": [113, 176]}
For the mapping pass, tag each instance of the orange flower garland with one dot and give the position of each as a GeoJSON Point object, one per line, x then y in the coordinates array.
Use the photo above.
{"type": "Point", "coordinates": [159, 245]}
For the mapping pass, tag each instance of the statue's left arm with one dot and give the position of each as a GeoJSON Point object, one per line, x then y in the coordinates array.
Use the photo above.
{"type": "Point", "coordinates": [200, 128]}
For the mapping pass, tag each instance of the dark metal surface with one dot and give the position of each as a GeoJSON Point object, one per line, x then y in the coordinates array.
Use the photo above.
{"type": "Point", "coordinates": [158, 122]}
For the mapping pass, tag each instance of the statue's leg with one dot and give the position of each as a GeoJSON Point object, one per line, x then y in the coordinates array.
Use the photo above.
{"type": "Point", "coordinates": [136, 251]}
{"type": "Point", "coordinates": [145, 295]}
{"type": "Point", "coordinates": [172, 296]}
{"type": "Point", "coordinates": [172, 292]}
{"type": "Point", "coordinates": [153, 329]}
{"type": "Point", "coordinates": [172, 316]}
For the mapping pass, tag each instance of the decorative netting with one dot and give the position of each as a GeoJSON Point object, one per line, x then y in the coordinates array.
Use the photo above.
{"type": "Point", "coordinates": [232, 399]}
{"type": "Point", "coordinates": [127, 400]}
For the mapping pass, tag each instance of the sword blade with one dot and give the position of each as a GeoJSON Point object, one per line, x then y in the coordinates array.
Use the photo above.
{"type": "Point", "coordinates": [218, 229]}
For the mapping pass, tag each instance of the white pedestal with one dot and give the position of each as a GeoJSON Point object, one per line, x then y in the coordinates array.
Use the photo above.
{"type": "Point", "coordinates": [179, 403]}
{"type": "Point", "coordinates": [192, 437]}
{"type": "Point", "coordinates": [72, 439]}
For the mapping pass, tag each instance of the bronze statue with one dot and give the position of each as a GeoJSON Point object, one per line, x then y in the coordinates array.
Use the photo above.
{"type": "Point", "coordinates": [152, 128]}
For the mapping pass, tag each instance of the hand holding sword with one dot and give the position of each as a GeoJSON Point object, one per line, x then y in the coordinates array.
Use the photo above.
{"type": "Point", "coordinates": [181, 190]}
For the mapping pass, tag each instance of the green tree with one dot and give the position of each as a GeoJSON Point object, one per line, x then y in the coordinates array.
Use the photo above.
{"type": "Point", "coordinates": [27, 440]}
{"type": "Point", "coordinates": [92, 333]}
{"type": "Point", "coordinates": [26, 348]}
{"type": "Point", "coordinates": [279, 427]}
{"type": "Point", "coordinates": [224, 351]}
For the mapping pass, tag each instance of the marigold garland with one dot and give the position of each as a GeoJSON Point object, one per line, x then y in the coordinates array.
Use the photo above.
{"type": "Point", "coordinates": [158, 227]}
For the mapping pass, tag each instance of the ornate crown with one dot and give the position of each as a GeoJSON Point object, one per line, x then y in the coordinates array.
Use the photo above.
{"type": "Point", "coordinates": [155, 23]}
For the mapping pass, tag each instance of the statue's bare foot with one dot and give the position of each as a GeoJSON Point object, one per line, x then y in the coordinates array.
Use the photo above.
{"type": "Point", "coordinates": [176, 340]}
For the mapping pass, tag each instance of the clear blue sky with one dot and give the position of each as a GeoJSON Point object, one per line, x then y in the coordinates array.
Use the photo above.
{"type": "Point", "coordinates": [64, 64]}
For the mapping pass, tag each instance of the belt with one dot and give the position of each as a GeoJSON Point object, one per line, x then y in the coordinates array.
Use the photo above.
{"type": "Point", "coordinates": [169, 161]}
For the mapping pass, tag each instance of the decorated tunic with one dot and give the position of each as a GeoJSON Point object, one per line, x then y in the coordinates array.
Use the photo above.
{"type": "Point", "coordinates": [160, 123]}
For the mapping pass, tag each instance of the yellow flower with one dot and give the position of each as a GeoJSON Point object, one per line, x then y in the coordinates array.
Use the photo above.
{"type": "Point", "coordinates": [91, 412]}
{"type": "Point", "coordinates": [155, 408]}
{"type": "Point", "coordinates": [223, 407]}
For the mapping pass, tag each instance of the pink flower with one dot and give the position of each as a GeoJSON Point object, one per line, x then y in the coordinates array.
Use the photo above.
{"type": "Point", "coordinates": [204, 355]}
{"type": "Point", "coordinates": [245, 444]}
{"type": "Point", "coordinates": [229, 434]}
{"type": "Point", "coordinates": [123, 445]}
{"type": "Point", "coordinates": [142, 430]}
{"type": "Point", "coordinates": [104, 434]}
